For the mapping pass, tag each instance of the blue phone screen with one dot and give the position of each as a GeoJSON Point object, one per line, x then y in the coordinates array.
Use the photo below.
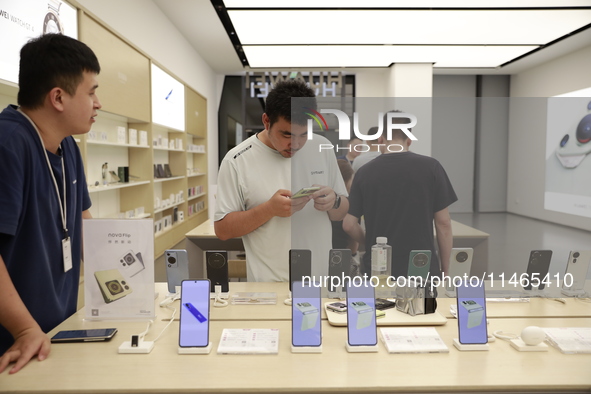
{"type": "Point", "coordinates": [471, 314]}
{"type": "Point", "coordinates": [305, 315]}
{"type": "Point", "coordinates": [194, 324]}
{"type": "Point", "coordinates": [361, 314]}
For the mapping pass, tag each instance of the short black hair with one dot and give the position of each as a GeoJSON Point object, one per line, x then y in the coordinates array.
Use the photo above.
{"type": "Point", "coordinates": [397, 134]}
{"type": "Point", "coordinates": [278, 102]}
{"type": "Point", "coordinates": [49, 61]}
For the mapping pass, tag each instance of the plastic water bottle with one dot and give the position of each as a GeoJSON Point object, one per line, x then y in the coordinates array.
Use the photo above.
{"type": "Point", "coordinates": [381, 265]}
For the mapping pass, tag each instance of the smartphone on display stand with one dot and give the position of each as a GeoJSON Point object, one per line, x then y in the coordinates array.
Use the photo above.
{"type": "Point", "coordinates": [305, 315]}
{"type": "Point", "coordinates": [217, 269]}
{"type": "Point", "coordinates": [460, 263]}
{"type": "Point", "coordinates": [472, 313]}
{"type": "Point", "coordinates": [361, 314]}
{"type": "Point", "coordinates": [177, 268]}
{"type": "Point", "coordinates": [537, 268]}
{"type": "Point", "coordinates": [92, 335]}
{"type": "Point", "coordinates": [419, 263]}
{"type": "Point", "coordinates": [194, 321]}
{"type": "Point", "coordinates": [300, 265]}
{"type": "Point", "coordinates": [576, 272]}
{"type": "Point", "coordinates": [339, 265]}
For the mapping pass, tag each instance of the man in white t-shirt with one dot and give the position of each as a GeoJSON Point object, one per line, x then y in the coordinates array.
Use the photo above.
{"type": "Point", "coordinates": [256, 182]}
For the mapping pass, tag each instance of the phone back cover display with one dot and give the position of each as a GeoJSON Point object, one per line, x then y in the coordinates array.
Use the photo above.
{"type": "Point", "coordinates": [339, 265]}
{"type": "Point", "coordinates": [118, 269]}
{"type": "Point", "coordinates": [305, 315]}
{"type": "Point", "coordinates": [194, 321]}
{"type": "Point", "coordinates": [361, 315]}
{"type": "Point", "coordinates": [539, 263]}
{"type": "Point", "coordinates": [177, 268]}
{"type": "Point", "coordinates": [419, 263]}
{"type": "Point", "coordinates": [471, 314]}
{"type": "Point", "coordinates": [300, 265]}
{"type": "Point", "coordinates": [577, 267]}
{"type": "Point", "coordinates": [216, 262]}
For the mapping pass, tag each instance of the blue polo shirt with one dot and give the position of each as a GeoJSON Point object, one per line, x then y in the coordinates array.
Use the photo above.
{"type": "Point", "coordinates": [31, 229]}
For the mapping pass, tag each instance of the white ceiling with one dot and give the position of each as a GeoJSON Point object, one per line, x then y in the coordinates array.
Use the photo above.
{"type": "Point", "coordinates": [456, 41]}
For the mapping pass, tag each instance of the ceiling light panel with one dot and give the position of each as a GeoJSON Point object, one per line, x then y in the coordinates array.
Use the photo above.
{"type": "Point", "coordinates": [334, 56]}
{"type": "Point", "coordinates": [403, 3]}
{"type": "Point", "coordinates": [426, 27]}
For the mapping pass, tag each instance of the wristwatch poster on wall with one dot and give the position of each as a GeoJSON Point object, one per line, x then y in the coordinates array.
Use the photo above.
{"type": "Point", "coordinates": [118, 269]}
{"type": "Point", "coordinates": [23, 20]}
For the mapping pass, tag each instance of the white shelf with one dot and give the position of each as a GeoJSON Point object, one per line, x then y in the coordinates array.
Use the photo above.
{"type": "Point", "coordinates": [108, 143]}
{"type": "Point", "coordinates": [196, 196]}
{"type": "Point", "coordinates": [157, 180]}
{"type": "Point", "coordinates": [168, 149]}
{"type": "Point", "coordinates": [176, 204]}
{"type": "Point", "coordinates": [113, 186]}
{"type": "Point", "coordinates": [197, 174]}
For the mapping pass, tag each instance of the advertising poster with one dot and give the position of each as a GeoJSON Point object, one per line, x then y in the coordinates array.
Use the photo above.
{"type": "Point", "coordinates": [25, 19]}
{"type": "Point", "coordinates": [118, 269]}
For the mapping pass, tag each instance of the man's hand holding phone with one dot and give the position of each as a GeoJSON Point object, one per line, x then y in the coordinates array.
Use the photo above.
{"type": "Point", "coordinates": [324, 198]}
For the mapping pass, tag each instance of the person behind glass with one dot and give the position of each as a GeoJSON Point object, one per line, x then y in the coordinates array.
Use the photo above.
{"type": "Point", "coordinates": [351, 154]}
{"type": "Point", "coordinates": [256, 181]}
{"type": "Point", "coordinates": [372, 153]}
{"type": "Point", "coordinates": [44, 194]}
{"type": "Point", "coordinates": [401, 195]}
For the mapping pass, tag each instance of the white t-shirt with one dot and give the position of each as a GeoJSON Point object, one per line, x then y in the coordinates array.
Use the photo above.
{"type": "Point", "coordinates": [250, 174]}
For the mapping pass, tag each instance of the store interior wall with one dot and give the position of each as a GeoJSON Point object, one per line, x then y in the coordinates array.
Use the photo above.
{"type": "Point", "coordinates": [527, 133]}
{"type": "Point", "coordinates": [152, 32]}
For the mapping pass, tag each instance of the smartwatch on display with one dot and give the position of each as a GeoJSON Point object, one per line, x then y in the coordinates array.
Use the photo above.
{"type": "Point", "coordinates": [52, 23]}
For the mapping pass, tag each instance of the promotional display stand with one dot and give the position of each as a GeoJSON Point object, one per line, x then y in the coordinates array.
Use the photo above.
{"type": "Point", "coordinates": [119, 269]}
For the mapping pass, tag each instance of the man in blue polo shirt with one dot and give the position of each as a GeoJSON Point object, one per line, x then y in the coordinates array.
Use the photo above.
{"type": "Point", "coordinates": [43, 193]}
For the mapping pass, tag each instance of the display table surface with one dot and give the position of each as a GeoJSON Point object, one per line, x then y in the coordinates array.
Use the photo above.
{"type": "Point", "coordinates": [536, 307]}
{"type": "Point", "coordinates": [96, 367]}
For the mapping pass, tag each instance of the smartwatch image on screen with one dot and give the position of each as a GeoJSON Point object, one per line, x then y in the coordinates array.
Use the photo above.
{"type": "Point", "coordinates": [195, 312]}
{"type": "Point", "coordinates": [310, 315]}
{"type": "Point", "coordinates": [475, 312]}
{"type": "Point", "coordinates": [364, 314]}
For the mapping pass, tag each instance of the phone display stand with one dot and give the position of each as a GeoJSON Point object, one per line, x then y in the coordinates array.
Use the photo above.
{"type": "Point", "coordinates": [470, 347]}
{"type": "Point", "coordinates": [195, 350]}
{"type": "Point", "coordinates": [306, 349]}
{"type": "Point", "coordinates": [572, 293]}
{"type": "Point", "coordinates": [144, 347]}
{"type": "Point", "coordinates": [223, 296]}
{"type": "Point", "coordinates": [451, 293]}
{"type": "Point", "coordinates": [521, 346]}
{"type": "Point", "coordinates": [361, 349]}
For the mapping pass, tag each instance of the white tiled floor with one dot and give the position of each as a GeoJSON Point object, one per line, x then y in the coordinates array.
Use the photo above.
{"type": "Point", "coordinates": [512, 237]}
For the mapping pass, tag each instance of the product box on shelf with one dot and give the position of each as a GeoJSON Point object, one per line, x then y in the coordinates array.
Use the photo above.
{"type": "Point", "coordinates": [118, 269]}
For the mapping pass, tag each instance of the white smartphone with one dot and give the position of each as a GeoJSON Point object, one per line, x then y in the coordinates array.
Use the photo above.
{"type": "Point", "coordinates": [306, 325]}
{"type": "Point", "coordinates": [576, 270]}
{"type": "Point", "coordinates": [361, 315]}
{"type": "Point", "coordinates": [460, 263]}
{"type": "Point", "coordinates": [472, 313]}
{"type": "Point", "coordinates": [194, 321]}
{"type": "Point", "coordinates": [177, 268]}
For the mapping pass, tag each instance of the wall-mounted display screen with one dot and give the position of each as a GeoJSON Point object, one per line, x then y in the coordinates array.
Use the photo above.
{"type": "Point", "coordinates": [25, 19]}
{"type": "Point", "coordinates": [568, 153]}
{"type": "Point", "coordinates": [168, 100]}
